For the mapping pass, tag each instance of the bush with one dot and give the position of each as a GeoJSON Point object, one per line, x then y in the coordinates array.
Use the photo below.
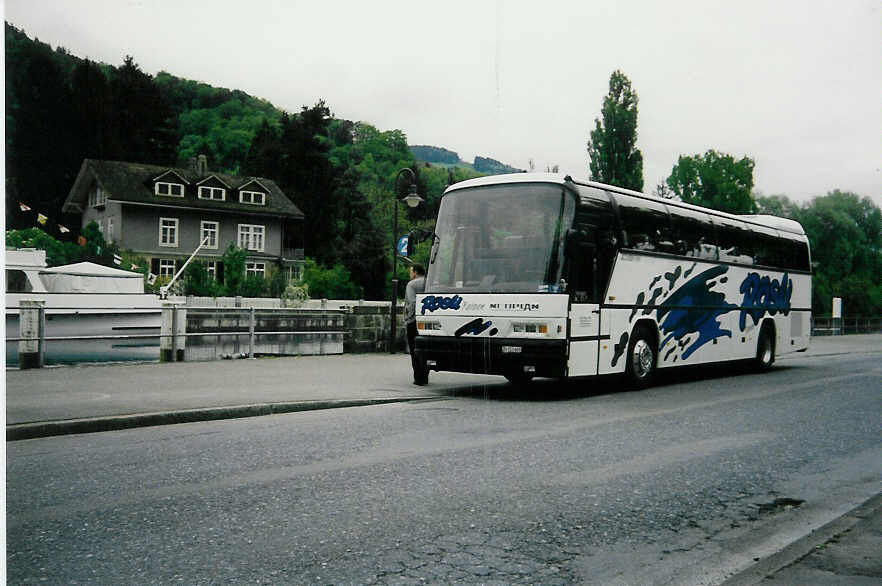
{"type": "Point", "coordinates": [333, 283]}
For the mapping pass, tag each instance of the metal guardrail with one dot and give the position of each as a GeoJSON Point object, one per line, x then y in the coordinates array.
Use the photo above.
{"type": "Point", "coordinates": [252, 314]}
{"type": "Point", "coordinates": [829, 326]}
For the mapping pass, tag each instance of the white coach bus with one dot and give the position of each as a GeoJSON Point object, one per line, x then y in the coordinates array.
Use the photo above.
{"type": "Point", "coordinates": [541, 275]}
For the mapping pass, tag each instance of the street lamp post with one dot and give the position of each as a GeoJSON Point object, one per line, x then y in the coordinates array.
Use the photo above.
{"type": "Point", "coordinates": [412, 200]}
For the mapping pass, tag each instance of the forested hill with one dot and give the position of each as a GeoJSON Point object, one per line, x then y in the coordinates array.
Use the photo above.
{"type": "Point", "coordinates": [442, 156]}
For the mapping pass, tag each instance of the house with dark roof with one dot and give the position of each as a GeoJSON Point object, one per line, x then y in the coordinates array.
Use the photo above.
{"type": "Point", "coordinates": [163, 213]}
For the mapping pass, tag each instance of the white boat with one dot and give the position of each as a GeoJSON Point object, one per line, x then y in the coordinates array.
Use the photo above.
{"type": "Point", "coordinates": [85, 301]}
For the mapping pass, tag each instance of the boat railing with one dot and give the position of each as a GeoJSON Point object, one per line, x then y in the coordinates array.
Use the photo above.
{"type": "Point", "coordinates": [172, 325]}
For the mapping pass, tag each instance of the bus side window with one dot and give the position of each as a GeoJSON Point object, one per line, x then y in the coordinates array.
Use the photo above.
{"type": "Point", "coordinates": [734, 241]}
{"type": "Point", "coordinates": [693, 234]}
{"type": "Point", "coordinates": [645, 224]}
{"type": "Point", "coordinates": [795, 254]}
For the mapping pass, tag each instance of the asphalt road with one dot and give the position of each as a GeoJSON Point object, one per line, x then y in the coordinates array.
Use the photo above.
{"type": "Point", "coordinates": [684, 483]}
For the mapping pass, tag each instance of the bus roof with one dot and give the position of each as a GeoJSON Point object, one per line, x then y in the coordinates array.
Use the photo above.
{"type": "Point", "coordinates": [775, 222]}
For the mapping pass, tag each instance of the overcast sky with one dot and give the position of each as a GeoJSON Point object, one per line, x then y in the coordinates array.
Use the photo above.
{"type": "Point", "coordinates": [797, 86]}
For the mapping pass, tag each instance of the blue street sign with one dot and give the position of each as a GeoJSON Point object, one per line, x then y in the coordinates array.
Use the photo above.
{"type": "Point", "coordinates": [402, 246]}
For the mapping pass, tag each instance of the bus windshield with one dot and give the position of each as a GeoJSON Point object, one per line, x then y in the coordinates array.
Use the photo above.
{"type": "Point", "coordinates": [500, 239]}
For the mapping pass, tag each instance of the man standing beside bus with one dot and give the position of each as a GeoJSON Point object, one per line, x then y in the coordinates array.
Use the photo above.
{"type": "Point", "coordinates": [415, 286]}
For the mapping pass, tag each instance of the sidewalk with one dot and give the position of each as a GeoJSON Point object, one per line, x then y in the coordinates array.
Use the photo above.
{"type": "Point", "coordinates": [846, 551]}
{"type": "Point", "coordinates": [80, 399]}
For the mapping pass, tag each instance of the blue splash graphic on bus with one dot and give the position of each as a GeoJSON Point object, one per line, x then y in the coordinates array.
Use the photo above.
{"type": "Point", "coordinates": [762, 294]}
{"type": "Point", "coordinates": [475, 327]}
{"type": "Point", "coordinates": [434, 302]}
{"type": "Point", "coordinates": [690, 314]}
{"type": "Point", "coordinates": [694, 308]}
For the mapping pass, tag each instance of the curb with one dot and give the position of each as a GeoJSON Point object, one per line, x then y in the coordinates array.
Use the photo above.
{"type": "Point", "coordinates": [22, 431]}
{"type": "Point", "coordinates": [803, 547]}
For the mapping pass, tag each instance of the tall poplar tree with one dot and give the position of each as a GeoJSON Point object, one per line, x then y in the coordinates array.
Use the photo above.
{"type": "Point", "coordinates": [612, 147]}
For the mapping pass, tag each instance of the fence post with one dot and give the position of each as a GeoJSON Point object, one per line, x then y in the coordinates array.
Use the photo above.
{"type": "Point", "coordinates": [32, 328]}
{"type": "Point", "coordinates": [174, 325]}
{"type": "Point", "coordinates": [251, 335]}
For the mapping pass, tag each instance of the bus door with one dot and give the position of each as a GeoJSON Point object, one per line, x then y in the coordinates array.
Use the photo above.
{"type": "Point", "coordinates": [584, 315]}
{"type": "Point", "coordinates": [584, 326]}
{"type": "Point", "coordinates": [589, 250]}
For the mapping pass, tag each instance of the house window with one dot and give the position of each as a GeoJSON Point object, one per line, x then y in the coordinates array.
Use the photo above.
{"type": "Point", "coordinates": [169, 189]}
{"type": "Point", "coordinates": [111, 236]}
{"type": "Point", "coordinates": [252, 197]}
{"type": "Point", "coordinates": [255, 268]}
{"type": "Point", "coordinates": [97, 197]}
{"type": "Point", "coordinates": [211, 269]}
{"type": "Point", "coordinates": [168, 232]}
{"type": "Point", "coordinates": [251, 237]}
{"type": "Point", "coordinates": [209, 230]}
{"type": "Point", "coordinates": [215, 193]}
{"type": "Point", "coordinates": [166, 268]}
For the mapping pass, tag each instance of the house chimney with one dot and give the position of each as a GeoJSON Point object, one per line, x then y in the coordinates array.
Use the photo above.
{"type": "Point", "coordinates": [191, 165]}
{"type": "Point", "coordinates": [202, 165]}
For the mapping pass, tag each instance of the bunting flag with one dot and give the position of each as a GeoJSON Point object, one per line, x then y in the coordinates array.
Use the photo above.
{"type": "Point", "coordinates": [23, 207]}
{"type": "Point", "coordinates": [62, 229]}
{"type": "Point", "coordinates": [42, 219]}
{"type": "Point", "coordinates": [81, 240]}
{"type": "Point", "coordinates": [151, 279]}
{"type": "Point", "coordinates": [117, 259]}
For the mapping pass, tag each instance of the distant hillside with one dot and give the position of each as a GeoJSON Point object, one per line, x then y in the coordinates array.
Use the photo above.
{"type": "Point", "coordinates": [433, 154]}
{"type": "Point", "coordinates": [443, 157]}
{"type": "Point", "coordinates": [493, 167]}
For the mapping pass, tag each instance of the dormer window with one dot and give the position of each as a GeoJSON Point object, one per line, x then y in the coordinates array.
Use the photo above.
{"type": "Point", "coordinates": [169, 189]}
{"type": "Point", "coordinates": [252, 197]}
{"type": "Point", "coordinates": [97, 197]}
{"type": "Point", "coordinates": [213, 193]}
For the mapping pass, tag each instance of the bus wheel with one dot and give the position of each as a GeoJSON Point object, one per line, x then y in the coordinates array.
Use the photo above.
{"type": "Point", "coordinates": [765, 350]}
{"type": "Point", "coordinates": [518, 378]}
{"type": "Point", "coordinates": [641, 359]}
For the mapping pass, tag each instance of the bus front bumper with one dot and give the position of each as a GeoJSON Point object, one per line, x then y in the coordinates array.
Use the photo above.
{"type": "Point", "coordinates": [493, 356]}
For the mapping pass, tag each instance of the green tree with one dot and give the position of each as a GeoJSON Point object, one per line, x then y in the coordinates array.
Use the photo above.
{"type": "Point", "coordinates": [714, 180]}
{"type": "Point", "coordinates": [57, 252]}
{"type": "Point", "coordinates": [97, 250]}
{"type": "Point", "coordinates": [845, 232]}
{"type": "Point", "coordinates": [143, 122]}
{"type": "Point", "coordinates": [277, 283]}
{"type": "Point", "coordinates": [333, 283]}
{"type": "Point", "coordinates": [612, 149]}
{"type": "Point", "coordinates": [198, 282]}
{"type": "Point", "coordinates": [254, 286]}
{"type": "Point", "coordinates": [234, 270]}
{"type": "Point", "coordinates": [40, 156]}
{"type": "Point", "coordinates": [777, 205]}
{"type": "Point", "coordinates": [309, 178]}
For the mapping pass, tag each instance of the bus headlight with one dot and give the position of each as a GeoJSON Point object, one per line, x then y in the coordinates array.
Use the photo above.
{"type": "Point", "coordinates": [428, 325]}
{"type": "Point", "coordinates": [529, 328]}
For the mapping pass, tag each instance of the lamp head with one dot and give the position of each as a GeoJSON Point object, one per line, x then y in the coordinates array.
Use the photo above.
{"type": "Point", "coordinates": [413, 199]}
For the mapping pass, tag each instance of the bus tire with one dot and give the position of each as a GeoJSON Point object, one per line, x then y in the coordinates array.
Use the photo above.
{"type": "Point", "coordinates": [518, 378]}
{"type": "Point", "coordinates": [765, 349]}
{"type": "Point", "coordinates": [642, 358]}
